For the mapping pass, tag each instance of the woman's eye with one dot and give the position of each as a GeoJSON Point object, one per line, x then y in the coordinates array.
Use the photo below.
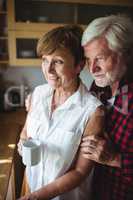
{"type": "Point", "coordinates": [58, 62]}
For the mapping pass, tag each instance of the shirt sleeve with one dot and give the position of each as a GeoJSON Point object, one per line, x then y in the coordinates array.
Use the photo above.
{"type": "Point", "coordinates": [120, 129]}
{"type": "Point", "coordinates": [127, 148]}
{"type": "Point", "coordinates": [35, 96]}
{"type": "Point", "coordinates": [125, 135]}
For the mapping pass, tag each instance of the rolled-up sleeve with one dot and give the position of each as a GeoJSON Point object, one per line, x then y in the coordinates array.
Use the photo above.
{"type": "Point", "coordinates": [127, 146]}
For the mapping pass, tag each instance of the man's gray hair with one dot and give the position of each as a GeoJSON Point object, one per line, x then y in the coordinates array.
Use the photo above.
{"type": "Point", "coordinates": [117, 29]}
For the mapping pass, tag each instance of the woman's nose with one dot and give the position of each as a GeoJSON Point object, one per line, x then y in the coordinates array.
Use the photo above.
{"type": "Point", "coordinates": [51, 67]}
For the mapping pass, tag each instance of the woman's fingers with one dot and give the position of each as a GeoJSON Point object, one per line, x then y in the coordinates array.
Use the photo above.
{"type": "Point", "coordinates": [31, 196]}
{"type": "Point", "coordinates": [19, 145]}
{"type": "Point", "coordinates": [28, 102]}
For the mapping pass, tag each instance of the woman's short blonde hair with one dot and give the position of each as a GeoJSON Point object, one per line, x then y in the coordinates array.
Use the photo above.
{"type": "Point", "coordinates": [68, 37]}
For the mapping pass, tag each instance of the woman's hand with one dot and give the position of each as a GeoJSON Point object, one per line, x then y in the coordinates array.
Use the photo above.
{"type": "Point", "coordinates": [31, 196]}
{"type": "Point", "coordinates": [99, 150]}
{"type": "Point", "coordinates": [19, 145]}
{"type": "Point", "coordinates": [28, 102]}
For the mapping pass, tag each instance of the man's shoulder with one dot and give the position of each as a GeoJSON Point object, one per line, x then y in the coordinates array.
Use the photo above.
{"type": "Point", "coordinates": [88, 98]}
{"type": "Point", "coordinates": [130, 85]}
{"type": "Point", "coordinates": [127, 89]}
{"type": "Point", "coordinates": [124, 99]}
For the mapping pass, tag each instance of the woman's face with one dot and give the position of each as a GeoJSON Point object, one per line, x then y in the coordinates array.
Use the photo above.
{"type": "Point", "coordinates": [59, 69]}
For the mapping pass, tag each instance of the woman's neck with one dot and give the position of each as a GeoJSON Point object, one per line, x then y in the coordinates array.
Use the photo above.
{"type": "Point", "coordinates": [62, 94]}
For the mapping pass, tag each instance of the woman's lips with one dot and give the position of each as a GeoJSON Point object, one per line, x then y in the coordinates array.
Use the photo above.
{"type": "Point", "coordinates": [53, 78]}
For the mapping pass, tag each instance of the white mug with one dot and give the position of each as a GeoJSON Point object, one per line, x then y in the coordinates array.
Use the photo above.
{"type": "Point", "coordinates": [31, 152]}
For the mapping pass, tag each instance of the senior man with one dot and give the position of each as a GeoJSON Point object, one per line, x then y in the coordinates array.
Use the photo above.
{"type": "Point", "coordinates": [108, 47]}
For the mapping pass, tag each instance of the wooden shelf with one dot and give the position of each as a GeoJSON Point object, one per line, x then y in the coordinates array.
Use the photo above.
{"type": "Point", "coordinates": [3, 12]}
{"type": "Point", "coordinates": [11, 166]}
{"type": "Point", "coordinates": [31, 22]}
{"type": "Point", "coordinates": [3, 37]}
{"type": "Point", "coordinates": [4, 61]}
{"type": "Point", "coordinates": [104, 2]}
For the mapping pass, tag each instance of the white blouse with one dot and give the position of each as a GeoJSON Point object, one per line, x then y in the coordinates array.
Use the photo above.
{"type": "Point", "coordinates": [60, 136]}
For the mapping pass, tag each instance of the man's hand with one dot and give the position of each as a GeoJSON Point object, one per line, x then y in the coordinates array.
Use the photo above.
{"type": "Point", "coordinates": [99, 150]}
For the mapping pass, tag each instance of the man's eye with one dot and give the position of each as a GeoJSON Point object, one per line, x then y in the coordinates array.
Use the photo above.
{"type": "Point", "coordinates": [87, 61]}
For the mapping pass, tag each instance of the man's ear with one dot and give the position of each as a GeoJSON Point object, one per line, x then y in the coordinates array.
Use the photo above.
{"type": "Point", "coordinates": [80, 66]}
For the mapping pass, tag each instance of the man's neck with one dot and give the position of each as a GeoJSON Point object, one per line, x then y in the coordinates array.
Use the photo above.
{"type": "Point", "coordinates": [114, 87]}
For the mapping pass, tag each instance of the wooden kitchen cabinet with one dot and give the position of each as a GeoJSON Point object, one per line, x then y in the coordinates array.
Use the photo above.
{"type": "Point", "coordinates": [11, 186]}
{"type": "Point", "coordinates": [3, 35]}
{"type": "Point", "coordinates": [22, 48]}
{"type": "Point", "coordinates": [11, 167]}
{"type": "Point", "coordinates": [9, 133]}
{"type": "Point", "coordinates": [29, 19]}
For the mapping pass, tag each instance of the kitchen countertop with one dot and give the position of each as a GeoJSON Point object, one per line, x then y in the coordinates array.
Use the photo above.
{"type": "Point", "coordinates": [10, 126]}
{"type": "Point", "coordinates": [17, 116]}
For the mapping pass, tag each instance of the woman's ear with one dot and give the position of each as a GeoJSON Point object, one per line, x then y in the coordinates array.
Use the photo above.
{"type": "Point", "coordinates": [80, 66]}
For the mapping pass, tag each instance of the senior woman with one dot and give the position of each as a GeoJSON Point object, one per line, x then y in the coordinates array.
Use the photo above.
{"type": "Point", "coordinates": [61, 112]}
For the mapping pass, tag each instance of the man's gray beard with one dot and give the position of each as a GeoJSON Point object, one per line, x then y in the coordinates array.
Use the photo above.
{"type": "Point", "coordinates": [111, 77]}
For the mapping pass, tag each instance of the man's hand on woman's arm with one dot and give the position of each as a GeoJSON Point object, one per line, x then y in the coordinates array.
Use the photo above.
{"type": "Point", "coordinates": [99, 150]}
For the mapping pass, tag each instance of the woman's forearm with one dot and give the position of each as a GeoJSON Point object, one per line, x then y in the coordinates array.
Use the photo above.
{"type": "Point", "coordinates": [23, 133]}
{"type": "Point", "coordinates": [64, 183]}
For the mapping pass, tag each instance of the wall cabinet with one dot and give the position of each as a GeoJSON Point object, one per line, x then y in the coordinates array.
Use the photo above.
{"type": "Point", "coordinates": [11, 167]}
{"type": "Point", "coordinates": [29, 19]}
{"type": "Point", "coordinates": [22, 48]}
{"type": "Point", "coordinates": [3, 35]}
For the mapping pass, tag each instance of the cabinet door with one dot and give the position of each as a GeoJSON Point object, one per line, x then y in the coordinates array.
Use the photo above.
{"type": "Point", "coordinates": [87, 12]}
{"type": "Point", "coordinates": [36, 14]}
{"type": "Point", "coordinates": [11, 186]}
{"type": "Point", "coordinates": [29, 19]}
{"type": "Point", "coordinates": [3, 36]}
{"type": "Point", "coordinates": [22, 48]}
{"type": "Point", "coordinates": [32, 14]}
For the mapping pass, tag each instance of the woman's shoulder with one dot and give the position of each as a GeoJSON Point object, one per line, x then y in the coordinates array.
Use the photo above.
{"type": "Point", "coordinates": [40, 92]}
{"type": "Point", "coordinates": [42, 89]}
{"type": "Point", "coordinates": [88, 97]}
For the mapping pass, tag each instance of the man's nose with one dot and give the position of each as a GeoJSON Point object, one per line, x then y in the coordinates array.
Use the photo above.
{"type": "Point", "coordinates": [94, 67]}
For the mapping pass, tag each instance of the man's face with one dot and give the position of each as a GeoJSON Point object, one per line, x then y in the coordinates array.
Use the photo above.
{"type": "Point", "coordinates": [106, 66]}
